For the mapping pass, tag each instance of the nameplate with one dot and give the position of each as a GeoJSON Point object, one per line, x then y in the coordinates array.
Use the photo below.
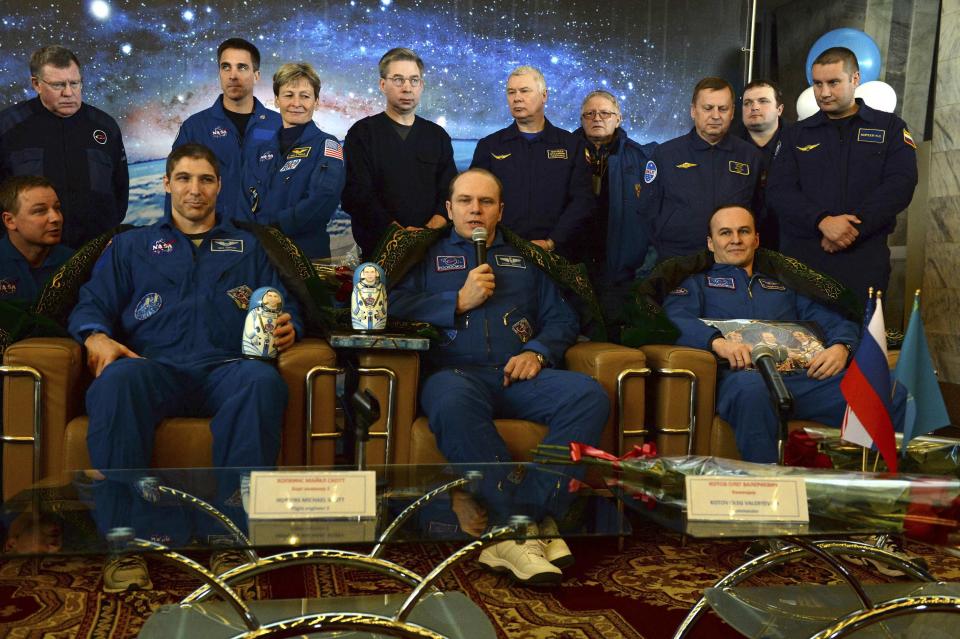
{"type": "Point", "coordinates": [312, 532]}
{"type": "Point", "coordinates": [747, 499]}
{"type": "Point", "coordinates": [312, 494]}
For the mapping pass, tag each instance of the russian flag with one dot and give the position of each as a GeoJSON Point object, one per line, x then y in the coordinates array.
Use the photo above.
{"type": "Point", "coordinates": [866, 387]}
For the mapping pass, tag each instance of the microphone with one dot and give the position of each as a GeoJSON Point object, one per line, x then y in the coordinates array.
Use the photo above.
{"type": "Point", "coordinates": [479, 237]}
{"type": "Point", "coordinates": [765, 359]}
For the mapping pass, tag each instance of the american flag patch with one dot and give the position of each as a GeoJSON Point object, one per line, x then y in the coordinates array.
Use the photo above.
{"type": "Point", "coordinates": [332, 149]}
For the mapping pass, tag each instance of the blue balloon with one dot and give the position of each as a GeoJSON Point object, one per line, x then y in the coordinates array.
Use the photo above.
{"type": "Point", "coordinates": [862, 45]}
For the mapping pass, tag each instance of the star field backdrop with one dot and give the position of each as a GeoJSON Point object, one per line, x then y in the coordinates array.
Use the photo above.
{"type": "Point", "coordinates": [152, 63]}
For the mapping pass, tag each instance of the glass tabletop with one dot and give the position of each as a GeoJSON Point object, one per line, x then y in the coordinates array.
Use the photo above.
{"type": "Point", "coordinates": [839, 503]}
{"type": "Point", "coordinates": [188, 509]}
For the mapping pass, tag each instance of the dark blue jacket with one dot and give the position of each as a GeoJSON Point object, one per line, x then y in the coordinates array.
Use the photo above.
{"type": "Point", "coordinates": [767, 224]}
{"type": "Point", "coordinates": [687, 179]}
{"type": "Point", "coordinates": [19, 280]}
{"type": "Point", "coordinates": [546, 183]}
{"type": "Point", "coordinates": [299, 191]}
{"type": "Point", "coordinates": [214, 129]}
{"type": "Point", "coordinates": [871, 172]}
{"type": "Point", "coordinates": [526, 311]}
{"type": "Point", "coordinates": [158, 294]}
{"type": "Point", "coordinates": [628, 234]}
{"type": "Point", "coordinates": [83, 156]}
{"type": "Point", "coordinates": [725, 292]}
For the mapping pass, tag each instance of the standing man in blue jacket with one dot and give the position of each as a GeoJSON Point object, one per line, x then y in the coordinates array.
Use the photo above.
{"type": "Point", "coordinates": [75, 145]}
{"type": "Point", "coordinates": [693, 174]}
{"type": "Point", "coordinates": [763, 127]}
{"type": "Point", "coordinates": [236, 123]}
{"type": "Point", "coordinates": [546, 180]}
{"type": "Point", "coordinates": [841, 178]}
{"type": "Point", "coordinates": [617, 246]}
{"type": "Point", "coordinates": [296, 179]}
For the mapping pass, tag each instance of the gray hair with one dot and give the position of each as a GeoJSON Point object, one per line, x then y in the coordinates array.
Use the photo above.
{"type": "Point", "coordinates": [535, 72]}
{"type": "Point", "coordinates": [600, 93]}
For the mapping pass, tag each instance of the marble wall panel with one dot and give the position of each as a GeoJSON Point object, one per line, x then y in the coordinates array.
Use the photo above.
{"type": "Point", "coordinates": [948, 81]}
{"type": "Point", "coordinates": [943, 224]}
{"type": "Point", "coordinates": [946, 358]}
{"type": "Point", "coordinates": [950, 35]}
{"type": "Point", "coordinates": [941, 308]}
{"type": "Point", "coordinates": [945, 174]}
{"type": "Point", "coordinates": [941, 267]}
{"type": "Point", "coordinates": [946, 127]}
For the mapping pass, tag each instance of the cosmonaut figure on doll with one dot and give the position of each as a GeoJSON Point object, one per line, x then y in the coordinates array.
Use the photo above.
{"type": "Point", "coordinates": [369, 308]}
{"type": "Point", "coordinates": [266, 304]}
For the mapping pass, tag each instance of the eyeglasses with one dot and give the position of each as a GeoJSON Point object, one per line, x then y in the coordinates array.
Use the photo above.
{"type": "Point", "coordinates": [75, 85]}
{"type": "Point", "coordinates": [604, 115]}
{"type": "Point", "coordinates": [399, 80]}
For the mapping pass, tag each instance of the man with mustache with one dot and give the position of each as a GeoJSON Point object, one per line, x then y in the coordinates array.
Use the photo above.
{"type": "Point", "coordinates": [236, 124]}
{"type": "Point", "coordinates": [74, 145]}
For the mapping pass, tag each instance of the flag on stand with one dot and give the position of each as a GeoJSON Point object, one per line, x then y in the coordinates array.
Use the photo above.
{"type": "Point", "coordinates": [926, 411]}
{"type": "Point", "coordinates": [866, 387]}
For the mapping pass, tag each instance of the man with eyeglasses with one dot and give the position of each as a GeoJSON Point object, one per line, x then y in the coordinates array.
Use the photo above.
{"type": "Point", "coordinates": [763, 127]}
{"type": "Point", "coordinates": [690, 176]}
{"type": "Point", "coordinates": [399, 165]}
{"type": "Point", "coordinates": [617, 246]}
{"type": "Point", "coordinates": [546, 180]}
{"type": "Point", "coordinates": [235, 125]}
{"type": "Point", "coordinates": [76, 146]}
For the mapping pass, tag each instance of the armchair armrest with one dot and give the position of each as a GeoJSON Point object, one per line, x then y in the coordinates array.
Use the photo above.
{"type": "Point", "coordinates": [621, 371]}
{"type": "Point", "coordinates": [64, 379]}
{"type": "Point", "coordinates": [682, 378]}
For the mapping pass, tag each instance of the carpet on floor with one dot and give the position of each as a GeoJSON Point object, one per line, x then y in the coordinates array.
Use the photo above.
{"type": "Point", "coordinates": [642, 592]}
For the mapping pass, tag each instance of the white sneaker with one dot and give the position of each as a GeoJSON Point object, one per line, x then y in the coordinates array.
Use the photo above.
{"type": "Point", "coordinates": [890, 544]}
{"type": "Point", "coordinates": [524, 560]}
{"type": "Point", "coordinates": [555, 549]}
{"type": "Point", "coordinates": [126, 572]}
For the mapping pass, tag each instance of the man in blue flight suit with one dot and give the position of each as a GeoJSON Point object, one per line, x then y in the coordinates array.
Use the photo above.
{"type": "Point", "coordinates": [75, 145]}
{"type": "Point", "coordinates": [763, 127]}
{"type": "Point", "coordinates": [30, 251]}
{"type": "Point", "coordinates": [236, 123]}
{"type": "Point", "coordinates": [841, 178]}
{"type": "Point", "coordinates": [162, 322]}
{"type": "Point", "coordinates": [693, 174]}
{"type": "Point", "coordinates": [295, 181]}
{"type": "Point", "coordinates": [732, 289]}
{"type": "Point", "coordinates": [506, 326]}
{"type": "Point", "coordinates": [543, 169]}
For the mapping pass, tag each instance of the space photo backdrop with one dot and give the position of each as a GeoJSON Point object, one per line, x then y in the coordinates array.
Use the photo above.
{"type": "Point", "coordinates": [152, 63]}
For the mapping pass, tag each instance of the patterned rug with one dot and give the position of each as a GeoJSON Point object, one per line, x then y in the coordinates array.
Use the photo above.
{"type": "Point", "coordinates": [641, 593]}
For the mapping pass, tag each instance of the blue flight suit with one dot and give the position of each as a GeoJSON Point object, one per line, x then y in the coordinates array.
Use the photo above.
{"type": "Point", "coordinates": [725, 292]}
{"type": "Point", "coordinates": [687, 179]}
{"type": "Point", "coordinates": [546, 183]}
{"type": "Point", "coordinates": [82, 155]}
{"type": "Point", "coordinates": [464, 391]}
{"type": "Point", "coordinates": [19, 280]}
{"type": "Point", "coordinates": [182, 309]}
{"type": "Point", "coordinates": [866, 166]}
{"type": "Point", "coordinates": [299, 191]}
{"type": "Point", "coordinates": [215, 130]}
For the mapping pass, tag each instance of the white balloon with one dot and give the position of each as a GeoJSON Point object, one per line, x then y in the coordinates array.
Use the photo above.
{"type": "Point", "coordinates": [806, 104]}
{"type": "Point", "coordinates": [878, 95]}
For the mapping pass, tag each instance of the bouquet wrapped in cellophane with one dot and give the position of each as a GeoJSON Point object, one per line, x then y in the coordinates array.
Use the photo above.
{"type": "Point", "coordinates": [923, 506]}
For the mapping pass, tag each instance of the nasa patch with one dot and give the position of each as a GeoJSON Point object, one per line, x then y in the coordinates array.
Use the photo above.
{"type": "Point", "coordinates": [100, 136]}
{"type": "Point", "coordinates": [451, 263]}
{"type": "Point", "coordinates": [219, 132]}
{"type": "Point", "coordinates": [511, 261]}
{"type": "Point", "coordinates": [148, 305]}
{"type": "Point", "coordinates": [650, 172]}
{"type": "Point", "coordinates": [266, 156]}
{"type": "Point", "coordinates": [290, 165]}
{"type": "Point", "coordinates": [161, 246]}
{"type": "Point", "coordinates": [721, 282]}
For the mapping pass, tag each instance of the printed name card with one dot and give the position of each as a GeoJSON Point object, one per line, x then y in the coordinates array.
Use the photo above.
{"type": "Point", "coordinates": [781, 499]}
{"type": "Point", "coordinates": [313, 494]}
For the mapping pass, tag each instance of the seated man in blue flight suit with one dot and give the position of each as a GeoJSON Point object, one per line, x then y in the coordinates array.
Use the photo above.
{"type": "Point", "coordinates": [162, 320]}
{"type": "Point", "coordinates": [507, 326]}
{"type": "Point", "coordinates": [732, 289]}
{"type": "Point", "coordinates": [295, 181]}
{"type": "Point", "coordinates": [31, 250]}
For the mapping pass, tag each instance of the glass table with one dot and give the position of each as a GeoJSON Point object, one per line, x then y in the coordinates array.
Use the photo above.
{"type": "Point", "coordinates": [841, 505]}
{"type": "Point", "coordinates": [170, 513]}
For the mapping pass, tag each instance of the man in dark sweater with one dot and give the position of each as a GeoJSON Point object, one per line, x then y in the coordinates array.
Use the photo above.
{"type": "Point", "coordinates": [399, 165]}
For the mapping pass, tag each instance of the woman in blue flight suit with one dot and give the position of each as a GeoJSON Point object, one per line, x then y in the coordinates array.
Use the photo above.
{"type": "Point", "coordinates": [295, 178]}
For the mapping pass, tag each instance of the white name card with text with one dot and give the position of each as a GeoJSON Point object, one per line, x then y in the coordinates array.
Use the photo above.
{"type": "Point", "coordinates": [313, 494]}
{"type": "Point", "coordinates": [747, 499]}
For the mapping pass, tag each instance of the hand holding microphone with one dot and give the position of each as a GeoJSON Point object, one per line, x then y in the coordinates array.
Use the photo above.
{"type": "Point", "coordinates": [480, 282]}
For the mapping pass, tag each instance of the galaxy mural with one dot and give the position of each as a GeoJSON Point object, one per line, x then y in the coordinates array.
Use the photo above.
{"type": "Point", "coordinates": [152, 63]}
